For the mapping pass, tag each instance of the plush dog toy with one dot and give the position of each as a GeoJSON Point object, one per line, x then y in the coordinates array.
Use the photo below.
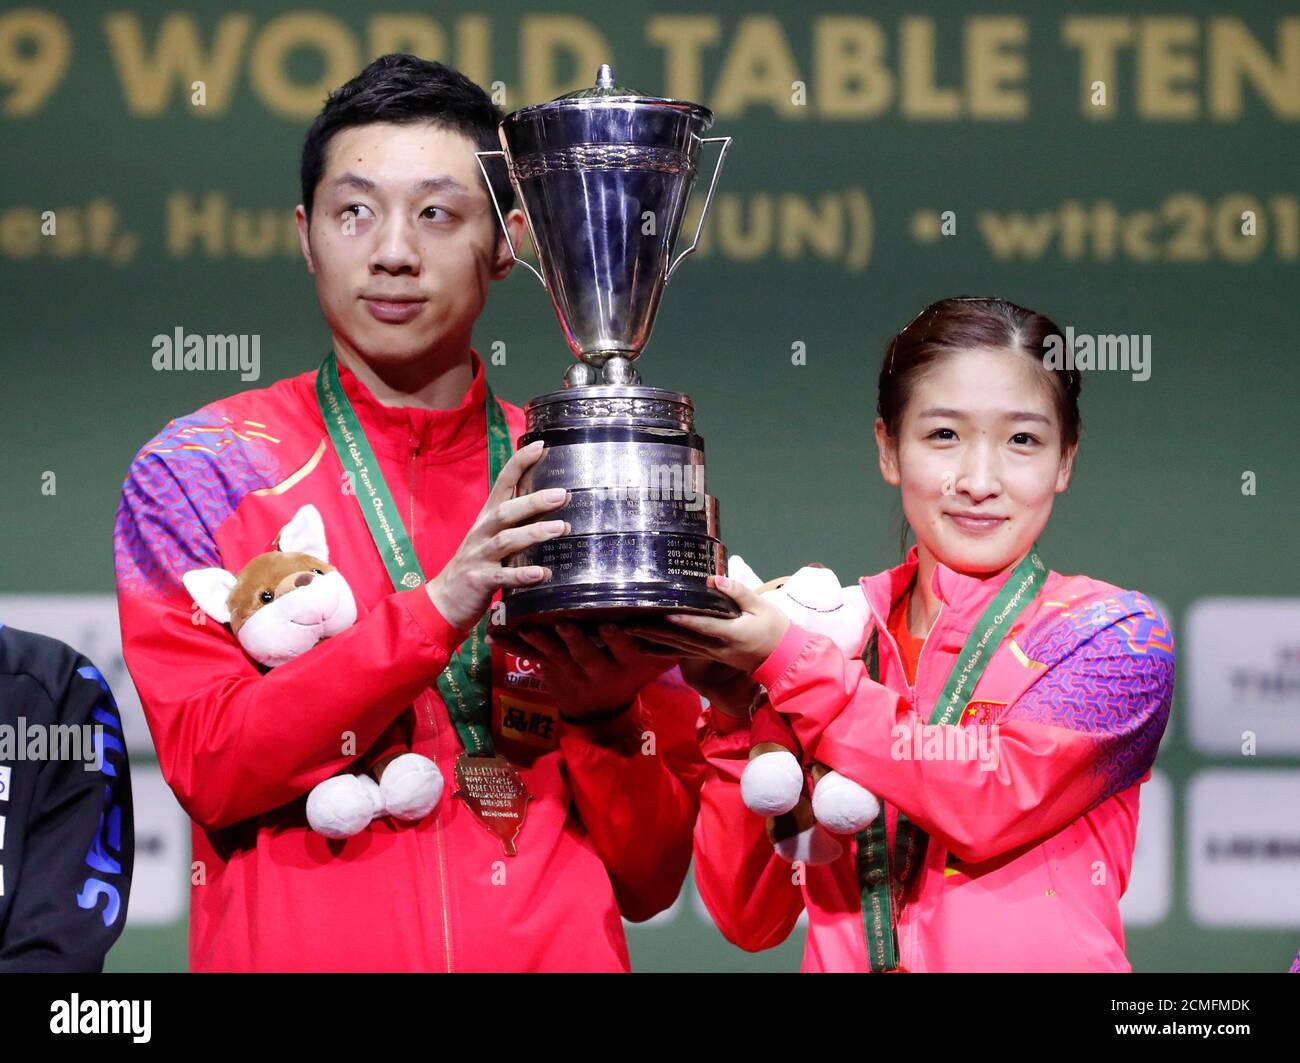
{"type": "Point", "coordinates": [772, 783]}
{"type": "Point", "coordinates": [280, 605]}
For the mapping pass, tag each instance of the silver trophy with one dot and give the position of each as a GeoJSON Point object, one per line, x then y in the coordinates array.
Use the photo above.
{"type": "Point", "coordinates": [603, 176]}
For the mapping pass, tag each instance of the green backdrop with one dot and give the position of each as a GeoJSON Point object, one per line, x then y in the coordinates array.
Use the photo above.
{"type": "Point", "coordinates": [1122, 218]}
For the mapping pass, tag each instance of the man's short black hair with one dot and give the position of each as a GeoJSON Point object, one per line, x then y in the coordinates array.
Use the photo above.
{"type": "Point", "coordinates": [405, 88]}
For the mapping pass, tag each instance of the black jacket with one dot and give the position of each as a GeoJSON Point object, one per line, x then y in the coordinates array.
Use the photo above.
{"type": "Point", "coordinates": [68, 840]}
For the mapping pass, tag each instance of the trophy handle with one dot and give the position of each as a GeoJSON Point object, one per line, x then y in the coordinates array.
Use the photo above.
{"type": "Point", "coordinates": [717, 169]}
{"type": "Point", "coordinates": [479, 155]}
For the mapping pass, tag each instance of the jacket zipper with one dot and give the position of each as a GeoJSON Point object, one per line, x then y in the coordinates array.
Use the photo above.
{"type": "Point", "coordinates": [920, 655]}
{"type": "Point", "coordinates": [426, 700]}
{"type": "Point", "coordinates": [883, 628]}
{"type": "Point", "coordinates": [905, 910]}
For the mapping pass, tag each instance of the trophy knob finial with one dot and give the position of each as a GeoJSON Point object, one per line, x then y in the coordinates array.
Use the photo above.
{"type": "Point", "coordinates": [580, 375]}
{"type": "Point", "coordinates": [620, 370]}
{"type": "Point", "coordinates": [604, 77]}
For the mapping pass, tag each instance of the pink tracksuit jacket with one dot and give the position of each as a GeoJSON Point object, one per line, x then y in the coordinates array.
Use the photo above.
{"type": "Point", "coordinates": [1029, 850]}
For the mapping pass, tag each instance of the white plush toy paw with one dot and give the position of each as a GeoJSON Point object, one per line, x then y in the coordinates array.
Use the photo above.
{"type": "Point", "coordinates": [771, 783]}
{"type": "Point", "coordinates": [411, 785]}
{"type": "Point", "coordinates": [813, 599]}
{"type": "Point", "coordinates": [841, 805]}
{"type": "Point", "coordinates": [344, 805]}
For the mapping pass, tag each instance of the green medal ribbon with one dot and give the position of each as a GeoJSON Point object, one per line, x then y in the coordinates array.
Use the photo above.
{"type": "Point", "coordinates": [466, 683]}
{"type": "Point", "coordinates": [883, 886]}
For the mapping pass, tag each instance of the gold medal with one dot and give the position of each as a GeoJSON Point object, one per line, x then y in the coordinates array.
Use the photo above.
{"type": "Point", "coordinates": [495, 792]}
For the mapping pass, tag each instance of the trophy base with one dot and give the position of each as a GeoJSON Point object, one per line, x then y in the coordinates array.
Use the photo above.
{"type": "Point", "coordinates": [548, 606]}
{"type": "Point", "coordinates": [643, 535]}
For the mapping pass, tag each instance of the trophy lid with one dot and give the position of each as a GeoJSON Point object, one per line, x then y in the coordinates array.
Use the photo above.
{"type": "Point", "coordinates": [607, 91]}
{"type": "Point", "coordinates": [604, 87]}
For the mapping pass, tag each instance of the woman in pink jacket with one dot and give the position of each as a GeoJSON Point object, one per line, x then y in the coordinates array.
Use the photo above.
{"type": "Point", "coordinates": [1008, 751]}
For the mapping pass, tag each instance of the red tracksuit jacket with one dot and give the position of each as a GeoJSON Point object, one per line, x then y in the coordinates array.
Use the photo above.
{"type": "Point", "coordinates": [608, 829]}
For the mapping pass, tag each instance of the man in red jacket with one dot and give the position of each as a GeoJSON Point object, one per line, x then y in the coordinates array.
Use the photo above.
{"type": "Point", "coordinates": [399, 232]}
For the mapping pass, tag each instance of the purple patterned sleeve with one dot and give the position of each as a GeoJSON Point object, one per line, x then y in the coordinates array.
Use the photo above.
{"type": "Point", "coordinates": [181, 487]}
{"type": "Point", "coordinates": [1111, 678]}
